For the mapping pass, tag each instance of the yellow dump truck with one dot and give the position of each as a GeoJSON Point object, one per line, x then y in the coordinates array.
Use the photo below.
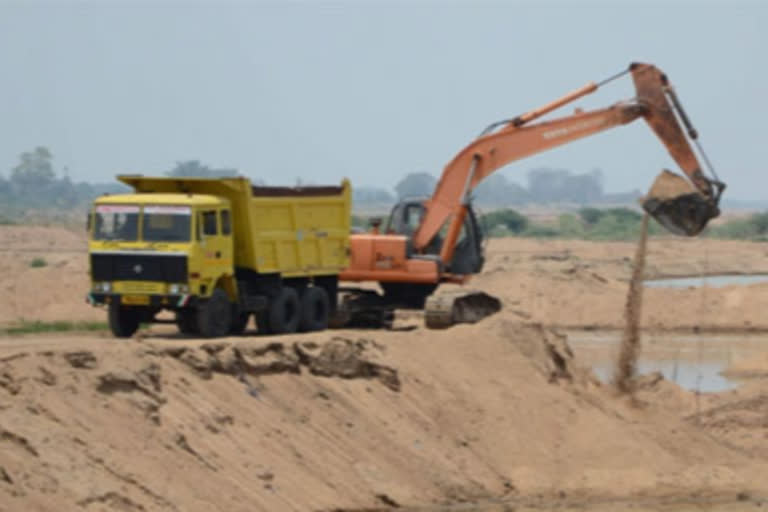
{"type": "Point", "coordinates": [216, 251]}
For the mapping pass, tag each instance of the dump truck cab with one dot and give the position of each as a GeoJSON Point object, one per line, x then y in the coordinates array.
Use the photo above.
{"type": "Point", "coordinates": [215, 251]}
{"type": "Point", "coordinates": [158, 249]}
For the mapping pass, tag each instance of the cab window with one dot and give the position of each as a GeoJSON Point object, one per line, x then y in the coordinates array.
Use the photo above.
{"type": "Point", "coordinates": [209, 223]}
{"type": "Point", "coordinates": [116, 223]}
{"type": "Point", "coordinates": [226, 223]}
{"type": "Point", "coordinates": [166, 223]}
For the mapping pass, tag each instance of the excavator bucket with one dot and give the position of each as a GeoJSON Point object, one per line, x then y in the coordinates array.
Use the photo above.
{"type": "Point", "coordinates": [445, 309]}
{"type": "Point", "coordinates": [678, 206]}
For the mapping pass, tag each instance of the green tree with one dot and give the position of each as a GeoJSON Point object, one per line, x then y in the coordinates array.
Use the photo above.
{"type": "Point", "coordinates": [760, 221]}
{"type": "Point", "coordinates": [570, 226]}
{"type": "Point", "coordinates": [34, 169]}
{"type": "Point", "coordinates": [416, 184]}
{"type": "Point", "coordinates": [590, 215]}
{"type": "Point", "coordinates": [195, 169]}
{"type": "Point", "coordinates": [497, 191]}
{"type": "Point", "coordinates": [513, 221]}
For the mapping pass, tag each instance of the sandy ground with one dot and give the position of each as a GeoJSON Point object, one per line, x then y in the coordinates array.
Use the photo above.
{"type": "Point", "coordinates": [583, 284]}
{"type": "Point", "coordinates": [355, 420]}
{"type": "Point", "coordinates": [494, 416]}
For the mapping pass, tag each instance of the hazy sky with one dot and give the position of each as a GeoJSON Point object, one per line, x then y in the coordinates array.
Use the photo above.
{"type": "Point", "coordinates": [367, 90]}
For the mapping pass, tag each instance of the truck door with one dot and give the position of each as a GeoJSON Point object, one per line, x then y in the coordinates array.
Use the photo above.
{"type": "Point", "coordinates": [215, 231]}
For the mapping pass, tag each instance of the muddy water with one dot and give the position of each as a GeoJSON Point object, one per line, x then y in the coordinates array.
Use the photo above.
{"type": "Point", "coordinates": [715, 281]}
{"type": "Point", "coordinates": [692, 361]}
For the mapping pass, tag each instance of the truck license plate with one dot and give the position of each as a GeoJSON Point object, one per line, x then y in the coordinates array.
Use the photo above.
{"type": "Point", "coordinates": [135, 300]}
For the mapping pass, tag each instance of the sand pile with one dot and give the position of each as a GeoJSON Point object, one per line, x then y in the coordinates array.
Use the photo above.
{"type": "Point", "coordinates": [497, 410]}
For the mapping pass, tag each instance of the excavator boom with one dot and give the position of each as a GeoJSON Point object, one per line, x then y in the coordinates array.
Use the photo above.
{"type": "Point", "coordinates": [685, 213]}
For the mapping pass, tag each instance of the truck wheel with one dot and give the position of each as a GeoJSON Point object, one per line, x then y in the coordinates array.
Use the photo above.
{"type": "Point", "coordinates": [123, 322]}
{"type": "Point", "coordinates": [284, 311]}
{"type": "Point", "coordinates": [239, 320]}
{"type": "Point", "coordinates": [214, 316]}
{"type": "Point", "coordinates": [262, 321]}
{"type": "Point", "coordinates": [315, 309]}
{"type": "Point", "coordinates": [186, 321]}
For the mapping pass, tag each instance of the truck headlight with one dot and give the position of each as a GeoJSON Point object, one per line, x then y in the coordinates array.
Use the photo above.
{"type": "Point", "coordinates": [104, 287]}
{"type": "Point", "coordinates": [176, 289]}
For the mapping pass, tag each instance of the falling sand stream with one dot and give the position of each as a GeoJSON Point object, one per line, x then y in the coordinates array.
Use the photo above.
{"type": "Point", "coordinates": [630, 342]}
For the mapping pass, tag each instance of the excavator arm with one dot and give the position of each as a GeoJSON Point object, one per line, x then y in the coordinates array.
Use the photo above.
{"type": "Point", "coordinates": [686, 211]}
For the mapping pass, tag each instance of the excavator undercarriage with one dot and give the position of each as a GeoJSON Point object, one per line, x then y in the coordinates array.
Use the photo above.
{"type": "Point", "coordinates": [369, 309]}
{"type": "Point", "coordinates": [445, 309]}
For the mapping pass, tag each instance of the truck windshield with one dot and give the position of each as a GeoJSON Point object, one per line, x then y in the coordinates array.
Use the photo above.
{"type": "Point", "coordinates": [116, 222]}
{"type": "Point", "coordinates": [167, 223]}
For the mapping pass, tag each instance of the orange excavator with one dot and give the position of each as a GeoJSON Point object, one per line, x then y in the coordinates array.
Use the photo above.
{"type": "Point", "coordinates": [438, 239]}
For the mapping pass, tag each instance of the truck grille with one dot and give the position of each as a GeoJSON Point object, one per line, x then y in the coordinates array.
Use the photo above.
{"type": "Point", "coordinates": [169, 268]}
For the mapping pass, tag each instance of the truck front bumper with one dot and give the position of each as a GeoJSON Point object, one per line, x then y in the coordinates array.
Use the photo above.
{"type": "Point", "coordinates": [153, 301]}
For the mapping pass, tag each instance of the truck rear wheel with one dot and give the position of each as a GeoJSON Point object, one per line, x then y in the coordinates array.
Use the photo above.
{"type": "Point", "coordinates": [123, 322]}
{"type": "Point", "coordinates": [186, 321]}
{"type": "Point", "coordinates": [284, 312]}
{"type": "Point", "coordinates": [214, 316]}
{"type": "Point", "coordinates": [262, 321]}
{"type": "Point", "coordinates": [315, 309]}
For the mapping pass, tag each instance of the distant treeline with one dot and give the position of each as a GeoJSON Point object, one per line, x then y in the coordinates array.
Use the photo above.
{"type": "Point", "coordinates": [33, 191]}
{"type": "Point", "coordinates": [33, 184]}
{"type": "Point", "coordinates": [544, 186]}
{"type": "Point", "coordinates": [608, 224]}
{"type": "Point", "coordinates": [612, 224]}
{"type": "Point", "coordinates": [32, 187]}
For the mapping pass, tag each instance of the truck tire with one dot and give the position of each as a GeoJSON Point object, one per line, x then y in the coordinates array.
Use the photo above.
{"type": "Point", "coordinates": [262, 321]}
{"type": "Point", "coordinates": [186, 321]}
{"type": "Point", "coordinates": [214, 316]}
{"type": "Point", "coordinates": [315, 309]}
{"type": "Point", "coordinates": [284, 312]}
{"type": "Point", "coordinates": [239, 321]}
{"type": "Point", "coordinates": [123, 322]}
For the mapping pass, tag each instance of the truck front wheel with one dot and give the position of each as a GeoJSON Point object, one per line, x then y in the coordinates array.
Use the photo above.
{"type": "Point", "coordinates": [284, 312]}
{"type": "Point", "coordinates": [214, 316]}
{"type": "Point", "coordinates": [315, 309]}
{"type": "Point", "coordinates": [239, 321]}
{"type": "Point", "coordinates": [123, 322]}
{"type": "Point", "coordinates": [186, 321]}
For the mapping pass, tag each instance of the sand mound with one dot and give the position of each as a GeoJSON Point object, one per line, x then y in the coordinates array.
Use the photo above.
{"type": "Point", "coordinates": [753, 367]}
{"type": "Point", "coordinates": [498, 410]}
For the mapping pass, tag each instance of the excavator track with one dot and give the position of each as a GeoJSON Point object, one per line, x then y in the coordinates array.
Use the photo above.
{"type": "Point", "coordinates": [444, 310]}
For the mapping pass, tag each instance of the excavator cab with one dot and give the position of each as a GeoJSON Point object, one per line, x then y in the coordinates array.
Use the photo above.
{"type": "Point", "coordinates": [406, 217]}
